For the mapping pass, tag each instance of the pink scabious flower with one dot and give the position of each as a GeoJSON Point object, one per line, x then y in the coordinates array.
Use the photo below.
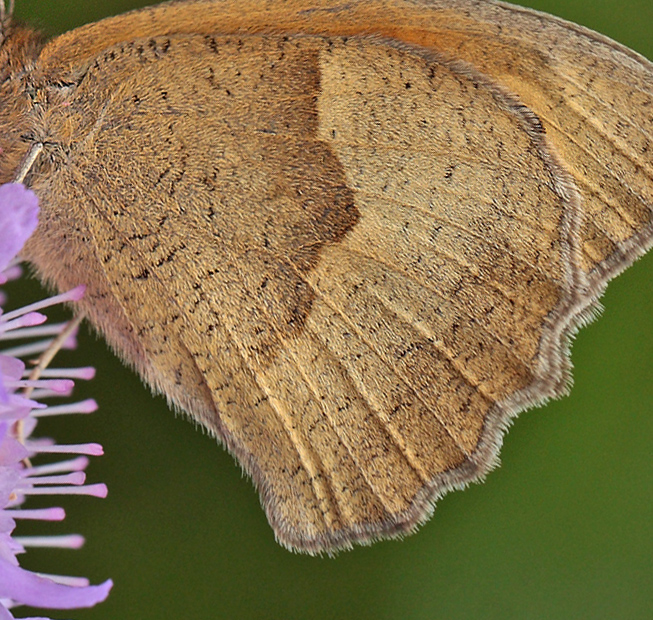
{"type": "Point", "coordinates": [21, 405]}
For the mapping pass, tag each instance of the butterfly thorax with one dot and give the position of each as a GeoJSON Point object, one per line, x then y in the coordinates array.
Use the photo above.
{"type": "Point", "coordinates": [19, 50]}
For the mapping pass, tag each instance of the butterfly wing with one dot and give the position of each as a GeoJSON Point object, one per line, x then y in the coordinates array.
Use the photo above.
{"type": "Point", "coordinates": [359, 261]}
{"type": "Point", "coordinates": [343, 268]}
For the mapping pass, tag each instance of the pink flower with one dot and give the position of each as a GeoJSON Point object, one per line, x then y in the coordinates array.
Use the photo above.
{"type": "Point", "coordinates": [21, 404]}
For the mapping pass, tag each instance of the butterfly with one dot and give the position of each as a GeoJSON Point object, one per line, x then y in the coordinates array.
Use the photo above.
{"type": "Point", "coordinates": [351, 239]}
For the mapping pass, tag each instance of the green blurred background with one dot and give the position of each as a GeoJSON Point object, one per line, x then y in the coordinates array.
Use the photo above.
{"type": "Point", "coordinates": [564, 529]}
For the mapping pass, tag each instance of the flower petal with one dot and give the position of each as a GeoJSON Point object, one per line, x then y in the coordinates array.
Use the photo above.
{"type": "Point", "coordinates": [28, 588]}
{"type": "Point", "coordinates": [19, 209]}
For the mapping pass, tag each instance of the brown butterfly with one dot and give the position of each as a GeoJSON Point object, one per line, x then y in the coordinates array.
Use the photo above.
{"type": "Point", "coordinates": [351, 238]}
